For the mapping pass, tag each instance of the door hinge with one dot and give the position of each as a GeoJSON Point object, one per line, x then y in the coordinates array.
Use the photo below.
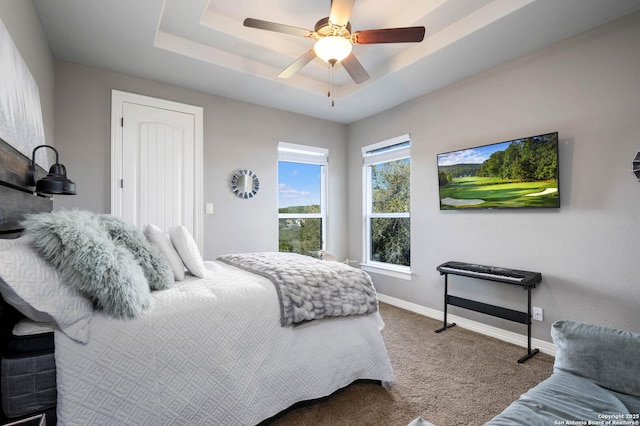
{"type": "Point", "coordinates": [121, 121]}
{"type": "Point", "coordinates": [121, 183]}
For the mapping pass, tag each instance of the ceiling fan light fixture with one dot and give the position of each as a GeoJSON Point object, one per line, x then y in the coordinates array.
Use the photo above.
{"type": "Point", "coordinates": [334, 40]}
{"type": "Point", "coordinates": [332, 49]}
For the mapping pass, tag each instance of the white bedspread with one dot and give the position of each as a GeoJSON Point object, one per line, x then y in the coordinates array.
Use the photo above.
{"type": "Point", "coordinates": [211, 352]}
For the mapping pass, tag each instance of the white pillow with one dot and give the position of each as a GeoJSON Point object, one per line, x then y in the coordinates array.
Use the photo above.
{"type": "Point", "coordinates": [162, 242]}
{"type": "Point", "coordinates": [25, 327]}
{"type": "Point", "coordinates": [187, 249]}
{"type": "Point", "coordinates": [35, 289]}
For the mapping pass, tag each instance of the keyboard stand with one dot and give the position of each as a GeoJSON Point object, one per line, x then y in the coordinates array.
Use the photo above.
{"type": "Point", "coordinates": [496, 311]}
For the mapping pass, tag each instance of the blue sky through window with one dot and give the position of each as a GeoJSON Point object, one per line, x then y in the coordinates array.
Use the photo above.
{"type": "Point", "coordinates": [298, 184]}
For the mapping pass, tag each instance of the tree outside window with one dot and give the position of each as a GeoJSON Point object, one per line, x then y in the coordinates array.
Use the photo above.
{"type": "Point", "coordinates": [387, 203]}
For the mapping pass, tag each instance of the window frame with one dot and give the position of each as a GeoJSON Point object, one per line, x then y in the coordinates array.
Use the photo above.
{"type": "Point", "coordinates": [369, 159]}
{"type": "Point", "coordinates": [295, 153]}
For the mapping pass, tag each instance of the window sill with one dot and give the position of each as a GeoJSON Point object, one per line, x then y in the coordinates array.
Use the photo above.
{"type": "Point", "coordinates": [401, 272]}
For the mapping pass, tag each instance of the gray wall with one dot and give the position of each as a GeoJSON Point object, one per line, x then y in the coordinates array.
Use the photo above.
{"type": "Point", "coordinates": [22, 21]}
{"type": "Point", "coordinates": [588, 89]}
{"type": "Point", "coordinates": [236, 135]}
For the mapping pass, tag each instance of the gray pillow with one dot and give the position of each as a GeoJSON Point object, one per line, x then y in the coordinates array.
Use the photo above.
{"type": "Point", "coordinates": [158, 272]}
{"type": "Point", "coordinates": [607, 356]}
{"type": "Point", "coordinates": [87, 258]}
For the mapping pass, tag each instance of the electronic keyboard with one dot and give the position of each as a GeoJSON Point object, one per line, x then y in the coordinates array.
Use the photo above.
{"type": "Point", "coordinates": [493, 273]}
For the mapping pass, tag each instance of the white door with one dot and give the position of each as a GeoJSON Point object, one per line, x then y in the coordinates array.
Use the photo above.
{"type": "Point", "coordinates": [160, 164]}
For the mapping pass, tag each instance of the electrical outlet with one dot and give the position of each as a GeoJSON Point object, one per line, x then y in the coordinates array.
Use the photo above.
{"type": "Point", "coordinates": [537, 313]}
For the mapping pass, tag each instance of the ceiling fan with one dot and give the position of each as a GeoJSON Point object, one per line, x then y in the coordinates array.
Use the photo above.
{"type": "Point", "coordinates": [334, 39]}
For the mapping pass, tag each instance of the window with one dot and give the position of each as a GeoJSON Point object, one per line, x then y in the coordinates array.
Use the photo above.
{"type": "Point", "coordinates": [301, 198]}
{"type": "Point", "coordinates": [387, 227]}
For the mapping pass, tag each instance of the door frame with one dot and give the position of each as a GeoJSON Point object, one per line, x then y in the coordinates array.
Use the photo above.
{"type": "Point", "coordinates": [117, 99]}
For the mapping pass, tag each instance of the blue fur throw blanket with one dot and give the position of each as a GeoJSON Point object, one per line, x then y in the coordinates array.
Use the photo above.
{"type": "Point", "coordinates": [103, 257]}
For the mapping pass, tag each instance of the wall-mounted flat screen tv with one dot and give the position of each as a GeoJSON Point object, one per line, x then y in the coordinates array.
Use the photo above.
{"type": "Point", "coordinates": [521, 173]}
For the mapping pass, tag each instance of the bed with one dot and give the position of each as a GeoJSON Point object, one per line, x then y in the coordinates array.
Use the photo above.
{"type": "Point", "coordinates": [207, 350]}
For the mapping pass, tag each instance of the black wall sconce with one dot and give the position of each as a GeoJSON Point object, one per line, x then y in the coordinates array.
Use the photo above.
{"type": "Point", "coordinates": [55, 182]}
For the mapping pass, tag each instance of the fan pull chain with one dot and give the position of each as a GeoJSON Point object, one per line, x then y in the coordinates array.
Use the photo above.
{"type": "Point", "coordinates": [331, 83]}
{"type": "Point", "coordinates": [328, 80]}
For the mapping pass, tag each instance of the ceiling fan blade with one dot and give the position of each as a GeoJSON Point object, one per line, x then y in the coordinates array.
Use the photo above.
{"type": "Point", "coordinates": [298, 64]}
{"type": "Point", "coordinates": [279, 28]}
{"type": "Point", "coordinates": [355, 69]}
{"type": "Point", "coordinates": [340, 11]}
{"type": "Point", "coordinates": [389, 35]}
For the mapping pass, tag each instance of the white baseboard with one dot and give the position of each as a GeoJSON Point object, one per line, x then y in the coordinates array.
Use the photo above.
{"type": "Point", "coordinates": [487, 330]}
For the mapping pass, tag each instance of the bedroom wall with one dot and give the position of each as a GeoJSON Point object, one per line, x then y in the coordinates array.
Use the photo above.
{"type": "Point", "coordinates": [22, 21]}
{"type": "Point", "coordinates": [236, 135]}
{"type": "Point", "coordinates": [587, 88]}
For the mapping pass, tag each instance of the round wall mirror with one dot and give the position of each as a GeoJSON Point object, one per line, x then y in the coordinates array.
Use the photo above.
{"type": "Point", "coordinates": [245, 184]}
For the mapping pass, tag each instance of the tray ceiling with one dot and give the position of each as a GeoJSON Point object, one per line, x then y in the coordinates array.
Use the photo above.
{"type": "Point", "coordinates": [202, 45]}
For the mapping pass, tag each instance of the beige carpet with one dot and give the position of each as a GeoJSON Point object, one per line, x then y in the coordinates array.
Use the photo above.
{"type": "Point", "coordinates": [457, 377]}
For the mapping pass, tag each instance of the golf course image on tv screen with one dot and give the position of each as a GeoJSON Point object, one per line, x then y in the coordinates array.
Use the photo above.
{"type": "Point", "coordinates": [521, 173]}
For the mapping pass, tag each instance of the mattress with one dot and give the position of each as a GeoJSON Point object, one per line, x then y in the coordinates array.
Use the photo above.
{"type": "Point", "coordinates": [28, 374]}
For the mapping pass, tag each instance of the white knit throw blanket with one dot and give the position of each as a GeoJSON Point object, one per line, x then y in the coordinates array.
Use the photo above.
{"type": "Point", "coordinates": [309, 288]}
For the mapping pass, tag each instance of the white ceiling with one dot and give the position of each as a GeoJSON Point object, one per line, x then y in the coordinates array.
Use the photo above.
{"type": "Point", "coordinates": [202, 44]}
